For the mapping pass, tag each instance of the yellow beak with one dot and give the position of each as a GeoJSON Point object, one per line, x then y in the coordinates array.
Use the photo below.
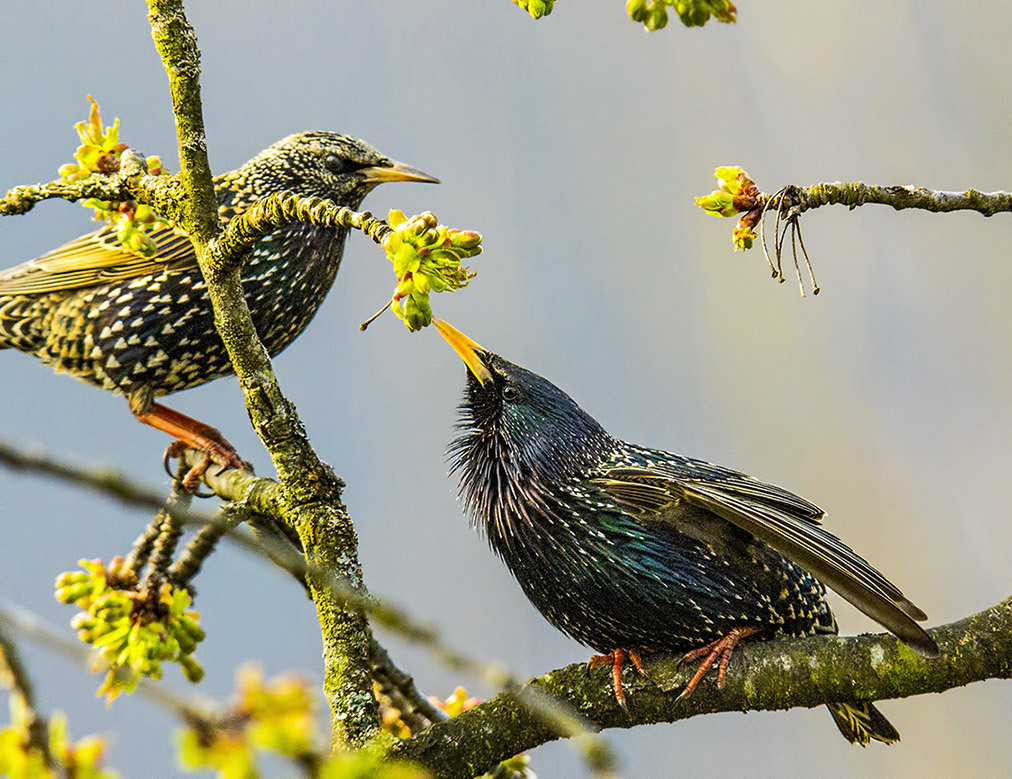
{"type": "Point", "coordinates": [466, 348]}
{"type": "Point", "coordinates": [397, 171]}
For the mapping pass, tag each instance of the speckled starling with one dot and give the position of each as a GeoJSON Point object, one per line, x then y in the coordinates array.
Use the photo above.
{"type": "Point", "coordinates": [143, 326]}
{"type": "Point", "coordinates": [630, 550]}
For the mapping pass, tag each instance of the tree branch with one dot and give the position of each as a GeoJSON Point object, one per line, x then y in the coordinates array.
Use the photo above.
{"type": "Point", "coordinates": [268, 214]}
{"type": "Point", "coordinates": [794, 201]}
{"type": "Point", "coordinates": [416, 710]}
{"type": "Point", "coordinates": [163, 193]}
{"type": "Point", "coordinates": [764, 676]}
{"type": "Point", "coordinates": [312, 492]}
{"type": "Point", "coordinates": [263, 496]}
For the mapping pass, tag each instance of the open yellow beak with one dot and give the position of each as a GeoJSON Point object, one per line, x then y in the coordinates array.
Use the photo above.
{"type": "Point", "coordinates": [397, 171]}
{"type": "Point", "coordinates": [466, 348]}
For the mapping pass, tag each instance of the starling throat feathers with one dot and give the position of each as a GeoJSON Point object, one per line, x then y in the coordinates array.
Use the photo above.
{"type": "Point", "coordinates": [629, 549]}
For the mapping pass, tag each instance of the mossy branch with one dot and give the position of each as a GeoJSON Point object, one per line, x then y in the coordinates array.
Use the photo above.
{"type": "Point", "coordinates": [276, 210]}
{"type": "Point", "coordinates": [312, 492]}
{"type": "Point", "coordinates": [177, 45]}
{"type": "Point", "coordinates": [740, 197]}
{"type": "Point", "coordinates": [794, 201]}
{"type": "Point", "coordinates": [768, 676]}
{"type": "Point", "coordinates": [163, 193]}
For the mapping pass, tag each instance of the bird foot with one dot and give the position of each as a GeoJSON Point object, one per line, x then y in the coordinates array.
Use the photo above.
{"type": "Point", "coordinates": [211, 453]}
{"type": "Point", "coordinates": [718, 651]}
{"type": "Point", "coordinates": [615, 659]}
{"type": "Point", "coordinates": [193, 434]}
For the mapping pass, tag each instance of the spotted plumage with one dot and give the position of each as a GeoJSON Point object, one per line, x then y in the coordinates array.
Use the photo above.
{"type": "Point", "coordinates": [629, 549]}
{"type": "Point", "coordinates": [143, 326]}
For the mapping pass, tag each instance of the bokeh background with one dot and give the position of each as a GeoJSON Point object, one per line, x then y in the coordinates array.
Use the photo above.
{"type": "Point", "coordinates": [576, 145]}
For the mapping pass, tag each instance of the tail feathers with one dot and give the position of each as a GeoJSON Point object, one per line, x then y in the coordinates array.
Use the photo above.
{"type": "Point", "coordinates": [861, 722]}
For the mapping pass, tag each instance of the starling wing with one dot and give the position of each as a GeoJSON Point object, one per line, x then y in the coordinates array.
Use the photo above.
{"type": "Point", "coordinates": [99, 258]}
{"type": "Point", "coordinates": [781, 519]}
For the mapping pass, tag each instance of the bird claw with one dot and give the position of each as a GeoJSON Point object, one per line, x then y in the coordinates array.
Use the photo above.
{"type": "Point", "coordinates": [718, 651]}
{"type": "Point", "coordinates": [615, 660]}
{"type": "Point", "coordinates": [214, 454]}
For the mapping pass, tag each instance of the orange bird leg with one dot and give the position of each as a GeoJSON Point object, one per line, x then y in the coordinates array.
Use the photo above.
{"type": "Point", "coordinates": [615, 660]}
{"type": "Point", "coordinates": [196, 435]}
{"type": "Point", "coordinates": [721, 650]}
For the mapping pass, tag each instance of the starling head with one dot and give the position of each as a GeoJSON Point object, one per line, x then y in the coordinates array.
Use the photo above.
{"type": "Point", "coordinates": [521, 436]}
{"type": "Point", "coordinates": [325, 164]}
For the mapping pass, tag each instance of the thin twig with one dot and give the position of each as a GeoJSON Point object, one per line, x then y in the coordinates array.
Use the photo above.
{"type": "Point", "coordinates": [182, 572]}
{"type": "Point", "coordinates": [413, 701]}
{"type": "Point", "coordinates": [37, 725]}
{"type": "Point", "coordinates": [856, 194]}
{"type": "Point", "coordinates": [375, 316]}
{"type": "Point", "coordinates": [808, 262]}
{"type": "Point", "coordinates": [794, 251]}
{"type": "Point", "coordinates": [140, 553]}
{"type": "Point", "coordinates": [169, 531]}
{"type": "Point", "coordinates": [762, 229]}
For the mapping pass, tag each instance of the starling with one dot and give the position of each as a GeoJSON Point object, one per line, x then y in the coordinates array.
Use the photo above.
{"type": "Point", "coordinates": [631, 550]}
{"type": "Point", "coordinates": [143, 326]}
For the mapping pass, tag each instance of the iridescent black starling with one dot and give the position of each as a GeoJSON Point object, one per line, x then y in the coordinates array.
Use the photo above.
{"type": "Point", "coordinates": [630, 550]}
{"type": "Point", "coordinates": [143, 326]}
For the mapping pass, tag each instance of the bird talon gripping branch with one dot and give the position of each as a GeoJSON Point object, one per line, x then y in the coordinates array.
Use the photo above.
{"type": "Point", "coordinates": [718, 651]}
{"type": "Point", "coordinates": [615, 660]}
{"type": "Point", "coordinates": [618, 545]}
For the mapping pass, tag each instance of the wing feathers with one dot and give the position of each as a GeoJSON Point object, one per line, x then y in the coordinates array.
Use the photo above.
{"type": "Point", "coordinates": [98, 258]}
{"type": "Point", "coordinates": [787, 522]}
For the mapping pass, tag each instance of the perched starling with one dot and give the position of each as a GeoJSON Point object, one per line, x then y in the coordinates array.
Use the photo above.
{"type": "Point", "coordinates": [143, 326]}
{"type": "Point", "coordinates": [630, 550]}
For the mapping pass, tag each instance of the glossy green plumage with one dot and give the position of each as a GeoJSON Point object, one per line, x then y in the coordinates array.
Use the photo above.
{"type": "Point", "coordinates": [625, 547]}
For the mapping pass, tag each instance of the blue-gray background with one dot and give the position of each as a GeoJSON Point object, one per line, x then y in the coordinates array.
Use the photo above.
{"type": "Point", "coordinates": [576, 145]}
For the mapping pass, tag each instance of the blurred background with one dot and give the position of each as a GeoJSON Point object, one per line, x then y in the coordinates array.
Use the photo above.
{"type": "Point", "coordinates": [575, 144]}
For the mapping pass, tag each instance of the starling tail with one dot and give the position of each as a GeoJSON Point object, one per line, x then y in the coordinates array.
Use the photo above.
{"type": "Point", "coordinates": [861, 723]}
{"type": "Point", "coordinates": [143, 326]}
{"type": "Point", "coordinates": [629, 549]}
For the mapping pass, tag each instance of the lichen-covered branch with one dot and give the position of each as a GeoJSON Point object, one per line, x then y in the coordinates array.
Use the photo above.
{"type": "Point", "coordinates": [177, 44]}
{"type": "Point", "coordinates": [739, 197]}
{"type": "Point", "coordinates": [311, 491]}
{"type": "Point", "coordinates": [416, 710]}
{"type": "Point", "coordinates": [763, 677]}
{"type": "Point", "coordinates": [163, 193]}
{"type": "Point", "coordinates": [793, 201]}
{"type": "Point", "coordinates": [281, 208]}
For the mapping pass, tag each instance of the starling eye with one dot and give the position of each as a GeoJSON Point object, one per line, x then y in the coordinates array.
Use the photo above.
{"type": "Point", "coordinates": [334, 163]}
{"type": "Point", "coordinates": [509, 392]}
